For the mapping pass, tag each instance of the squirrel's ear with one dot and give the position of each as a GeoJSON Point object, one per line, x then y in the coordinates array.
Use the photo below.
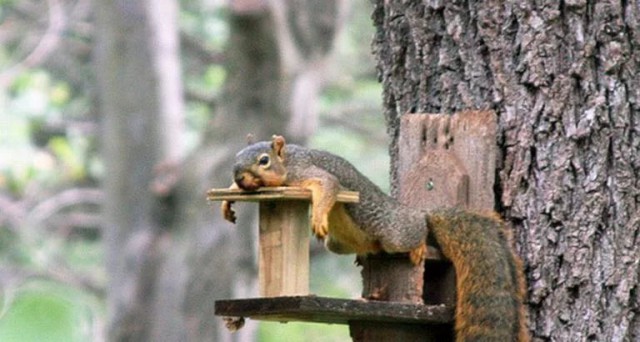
{"type": "Point", "coordinates": [250, 139]}
{"type": "Point", "coordinates": [277, 144]}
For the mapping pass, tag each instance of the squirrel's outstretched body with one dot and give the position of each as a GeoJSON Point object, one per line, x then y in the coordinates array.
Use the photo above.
{"type": "Point", "coordinates": [489, 281]}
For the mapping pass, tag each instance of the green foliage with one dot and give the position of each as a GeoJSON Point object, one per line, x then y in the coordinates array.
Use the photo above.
{"type": "Point", "coordinates": [70, 154]}
{"type": "Point", "coordinates": [11, 248]}
{"type": "Point", "coordinates": [59, 94]}
{"type": "Point", "coordinates": [15, 179]}
{"type": "Point", "coordinates": [40, 152]}
{"type": "Point", "coordinates": [215, 76]}
{"type": "Point", "coordinates": [308, 332]}
{"type": "Point", "coordinates": [4, 3]}
{"type": "Point", "coordinates": [86, 256]}
{"type": "Point", "coordinates": [352, 90]}
{"type": "Point", "coordinates": [36, 141]}
{"type": "Point", "coordinates": [207, 23]}
{"type": "Point", "coordinates": [45, 313]}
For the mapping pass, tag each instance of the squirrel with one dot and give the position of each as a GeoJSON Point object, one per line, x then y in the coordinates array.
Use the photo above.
{"type": "Point", "coordinates": [489, 278]}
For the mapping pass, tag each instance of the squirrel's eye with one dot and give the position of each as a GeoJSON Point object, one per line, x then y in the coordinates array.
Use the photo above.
{"type": "Point", "coordinates": [264, 160]}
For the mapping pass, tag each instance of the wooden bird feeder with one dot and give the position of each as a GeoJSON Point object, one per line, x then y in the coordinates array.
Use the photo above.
{"type": "Point", "coordinates": [284, 235]}
{"type": "Point", "coordinates": [444, 160]}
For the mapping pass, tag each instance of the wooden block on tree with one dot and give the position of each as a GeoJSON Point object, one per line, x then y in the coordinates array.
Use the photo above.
{"type": "Point", "coordinates": [446, 161]}
{"type": "Point", "coordinates": [443, 161]}
{"type": "Point", "coordinates": [284, 235]}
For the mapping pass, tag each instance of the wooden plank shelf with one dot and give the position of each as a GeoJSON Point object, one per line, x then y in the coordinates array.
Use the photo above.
{"type": "Point", "coordinates": [333, 310]}
{"type": "Point", "coordinates": [274, 193]}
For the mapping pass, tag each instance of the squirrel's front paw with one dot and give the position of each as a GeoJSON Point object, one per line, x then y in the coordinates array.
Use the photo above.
{"type": "Point", "coordinates": [417, 254]}
{"type": "Point", "coordinates": [320, 225]}
{"type": "Point", "coordinates": [227, 212]}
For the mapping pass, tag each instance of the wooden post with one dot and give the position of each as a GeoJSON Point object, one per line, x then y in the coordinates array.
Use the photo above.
{"type": "Point", "coordinates": [446, 161]}
{"type": "Point", "coordinates": [284, 248]}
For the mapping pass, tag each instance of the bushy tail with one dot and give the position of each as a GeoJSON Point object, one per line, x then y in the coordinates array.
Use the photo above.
{"type": "Point", "coordinates": [489, 278]}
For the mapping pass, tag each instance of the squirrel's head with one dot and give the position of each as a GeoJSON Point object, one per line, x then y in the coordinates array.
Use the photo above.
{"type": "Point", "coordinates": [261, 164]}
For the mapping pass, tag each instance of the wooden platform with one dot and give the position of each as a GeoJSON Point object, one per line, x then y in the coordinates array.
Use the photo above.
{"type": "Point", "coordinates": [333, 310]}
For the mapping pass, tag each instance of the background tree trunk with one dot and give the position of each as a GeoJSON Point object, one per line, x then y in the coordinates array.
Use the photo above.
{"type": "Point", "coordinates": [141, 103]}
{"type": "Point", "coordinates": [221, 257]}
{"type": "Point", "coordinates": [258, 98]}
{"type": "Point", "coordinates": [562, 77]}
{"type": "Point", "coordinates": [170, 256]}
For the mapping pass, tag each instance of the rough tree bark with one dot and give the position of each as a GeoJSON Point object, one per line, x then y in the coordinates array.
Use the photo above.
{"type": "Point", "coordinates": [562, 77]}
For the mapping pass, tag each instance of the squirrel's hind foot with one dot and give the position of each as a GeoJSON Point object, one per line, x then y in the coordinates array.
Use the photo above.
{"type": "Point", "coordinates": [418, 254]}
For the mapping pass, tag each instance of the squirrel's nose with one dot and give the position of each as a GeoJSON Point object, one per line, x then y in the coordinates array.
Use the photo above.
{"type": "Point", "coordinates": [239, 178]}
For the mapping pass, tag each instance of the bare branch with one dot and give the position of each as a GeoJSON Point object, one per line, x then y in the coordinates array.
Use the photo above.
{"type": "Point", "coordinates": [373, 135]}
{"type": "Point", "coordinates": [291, 58]}
{"type": "Point", "coordinates": [343, 116]}
{"type": "Point", "coordinates": [11, 213]}
{"type": "Point", "coordinates": [43, 49]}
{"type": "Point", "coordinates": [67, 198]}
{"type": "Point", "coordinates": [199, 96]}
{"type": "Point", "coordinates": [200, 50]}
{"type": "Point", "coordinates": [67, 221]}
{"type": "Point", "coordinates": [13, 276]}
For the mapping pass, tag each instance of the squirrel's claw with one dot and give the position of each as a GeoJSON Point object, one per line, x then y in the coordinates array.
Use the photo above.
{"type": "Point", "coordinates": [418, 254]}
{"type": "Point", "coordinates": [227, 212]}
{"type": "Point", "coordinates": [320, 226]}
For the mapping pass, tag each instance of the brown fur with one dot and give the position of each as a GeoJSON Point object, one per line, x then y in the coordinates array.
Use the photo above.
{"type": "Point", "coordinates": [343, 229]}
{"type": "Point", "coordinates": [479, 246]}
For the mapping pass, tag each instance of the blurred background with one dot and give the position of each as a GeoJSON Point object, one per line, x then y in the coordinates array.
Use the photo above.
{"type": "Point", "coordinates": [117, 116]}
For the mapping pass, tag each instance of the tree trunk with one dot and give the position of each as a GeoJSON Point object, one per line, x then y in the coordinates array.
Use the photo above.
{"type": "Point", "coordinates": [221, 256]}
{"type": "Point", "coordinates": [170, 255]}
{"type": "Point", "coordinates": [562, 77]}
{"type": "Point", "coordinates": [141, 103]}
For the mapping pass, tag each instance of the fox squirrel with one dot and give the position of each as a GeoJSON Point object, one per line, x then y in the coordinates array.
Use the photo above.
{"type": "Point", "coordinates": [489, 280]}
